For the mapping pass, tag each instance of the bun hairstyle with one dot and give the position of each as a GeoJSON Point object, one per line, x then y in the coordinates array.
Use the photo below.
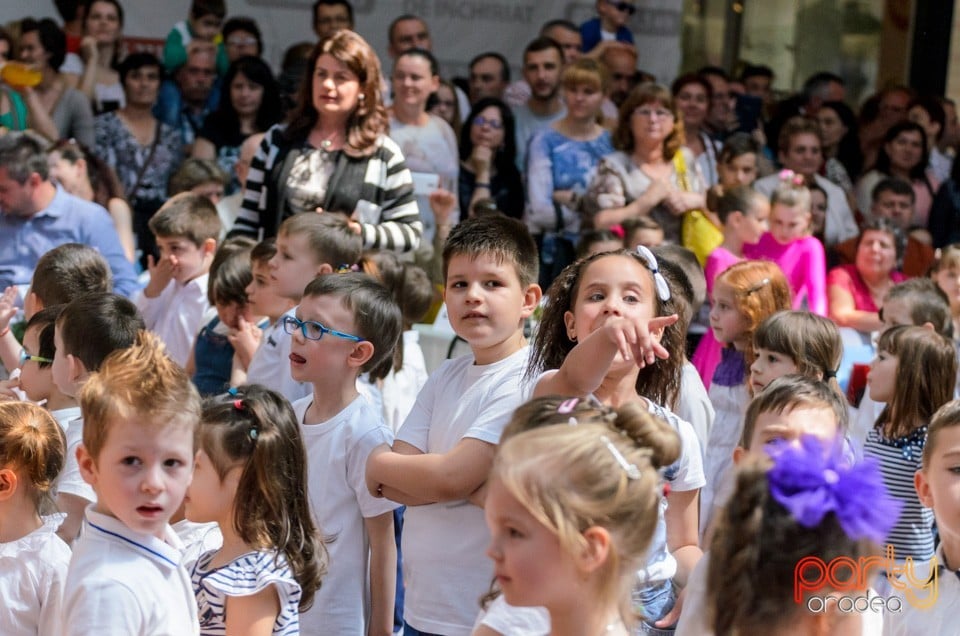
{"type": "Point", "coordinates": [601, 471]}
{"type": "Point", "coordinates": [254, 427]}
{"type": "Point", "coordinates": [32, 444]}
{"type": "Point", "coordinates": [791, 191]}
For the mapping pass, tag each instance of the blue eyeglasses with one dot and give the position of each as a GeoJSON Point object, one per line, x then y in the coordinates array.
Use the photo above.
{"type": "Point", "coordinates": [26, 357]}
{"type": "Point", "coordinates": [313, 330]}
{"type": "Point", "coordinates": [480, 121]}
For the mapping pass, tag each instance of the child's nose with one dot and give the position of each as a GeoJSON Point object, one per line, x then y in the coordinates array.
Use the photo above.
{"type": "Point", "coordinates": [152, 479]}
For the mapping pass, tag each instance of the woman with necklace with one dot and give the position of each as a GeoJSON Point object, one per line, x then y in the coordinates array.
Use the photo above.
{"type": "Point", "coordinates": [563, 157]}
{"type": "Point", "coordinates": [650, 174]}
{"type": "Point", "coordinates": [693, 95]}
{"type": "Point", "coordinates": [334, 154]}
{"type": "Point", "coordinates": [56, 111]}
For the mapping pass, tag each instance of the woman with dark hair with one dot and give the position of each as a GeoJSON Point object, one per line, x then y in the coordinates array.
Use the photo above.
{"type": "Point", "coordinates": [334, 154]}
{"type": "Point", "coordinates": [241, 37]}
{"type": "Point", "coordinates": [650, 173]}
{"type": "Point", "coordinates": [13, 112]}
{"type": "Point", "coordinates": [142, 150]}
{"type": "Point", "coordinates": [904, 155]}
{"type": "Point", "coordinates": [100, 50]}
{"type": "Point", "coordinates": [251, 104]}
{"type": "Point", "coordinates": [693, 95]}
{"type": "Point", "coordinates": [83, 174]}
{"type": "Point", "coordinates": [488, 153]}
{"type": "Point", "coordinates": [841, 145]}
{"type": "Point", "coordinates": [856, 291]}
{"type": "Point", "coordinates": [56, 111]}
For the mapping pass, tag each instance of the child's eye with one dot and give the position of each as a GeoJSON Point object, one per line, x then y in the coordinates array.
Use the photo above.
{"type": "Point", "coordinates": [130, 461]}
{"type": "Point", "coordinates": [492, 283]}
{"type": "Point", "coordinates": [173, 463]}
{"type": "Point", "coordinates": [595, 297]}
{"type": "Point", "coordinates": [458, 285]}
{"type": "Point", "coordinates": [514, 533]}
{"type": "Point", "coordinates": [630, 298]}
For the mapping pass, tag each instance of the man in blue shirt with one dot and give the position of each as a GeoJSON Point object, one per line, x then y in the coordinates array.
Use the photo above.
{"type": "Point", "coordinates": [36, 215]}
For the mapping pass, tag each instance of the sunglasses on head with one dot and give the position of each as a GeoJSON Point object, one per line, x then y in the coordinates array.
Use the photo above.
{"type": "Point", "coordinates": [623, 6]}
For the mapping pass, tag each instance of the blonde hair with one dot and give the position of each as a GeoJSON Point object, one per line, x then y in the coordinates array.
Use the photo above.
{"type": "Point", "coordinates": [32, 443]}
{"type": "Point", "coordinates": [571, 478]}
{"type": "Point", "coordinates": [812, 342]}
{"type": "Point", "coordinates": [792, 191]}
{"type": "Point", "coordinates": [760, 289]}
{"type": "Point", "coordinates": [140, 381]}
{"type": "Point", "coordinates": [947, 257]}
{"type": "Point", "coordinates": [586, 72]}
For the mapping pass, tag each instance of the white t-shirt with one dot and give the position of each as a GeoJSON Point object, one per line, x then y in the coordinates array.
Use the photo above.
{"type": "Point", "coordinates": [694, 404]}
{"type": "Point", "coordinates": [70, 481]}
{"type": "Point", "coordinates": [445, 568]}
{"type": "Point", "coordinates": [731, 405]}
{"type": "Point", "coordinates": [197, 538]}
{"type": "Point", "coordinates": [177, 315]}
{"type": "Point", "coordinates": [122, 582]}
{"type": "Point", "coordinates": [400, 388]}
{"type": "Point", "coordinates": [270, 365]}
{"type": "Point", "coordinates": [33, 570]}
{"type": "Point", "coordinates": [511, 620]}
{"type": "Point", "coordinates": [337, 452]}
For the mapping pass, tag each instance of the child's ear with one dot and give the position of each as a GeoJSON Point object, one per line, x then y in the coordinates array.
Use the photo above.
{"type": "Point", "coordinates": [209, 247]}
{"type": "Point", "coordinates": [324, 268]}
{"type": "Point", "coordinates": [31, 304]}
{"type": "Point", "coordinates": [78, 369]}
{"type": "Point", "coordinates": [88, 466]}
{"type": "Point", "coordinates": [738, 454]}
{"type": "Point", "coordinates": [922, 486]}
{"type": "Point", "coordinates": [8, 483]}
{"type": "Point", "coordinates": [597, 550]}
{"type": "Point", "coordinates": [928, 325]}
{"type": "Point", "coordinates": [571, 324]}
{"type": "Point", "coordinates": [531, 298]}
{"type": "Point", "coordinates": [361, 354]}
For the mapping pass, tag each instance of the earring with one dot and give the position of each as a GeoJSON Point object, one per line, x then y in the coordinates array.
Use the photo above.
{"type": "Point", "coordinates": [361, 97]}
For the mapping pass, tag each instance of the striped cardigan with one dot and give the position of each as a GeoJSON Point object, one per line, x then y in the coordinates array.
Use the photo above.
{"type": "Point", "coordinates": [377, 190]}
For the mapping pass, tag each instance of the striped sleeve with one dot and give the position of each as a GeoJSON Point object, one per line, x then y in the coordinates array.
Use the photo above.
{"type": "Point", "coordinates": [249, 222]}
{"type": "Point", "coordinates": [397, 224]}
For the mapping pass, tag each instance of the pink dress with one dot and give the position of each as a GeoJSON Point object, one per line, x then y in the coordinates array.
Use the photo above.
{"type": "Point", "coordinates": [707, 356]}
{"type": "Point", "coordinates": [804, 264]}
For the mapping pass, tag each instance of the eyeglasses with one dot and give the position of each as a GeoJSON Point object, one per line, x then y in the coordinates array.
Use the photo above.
{"type": "Point", "coordinates": [313, 330]}
{"type": "Point", "coordinates": [649, 113]}
{"type": "Point", "coordinates": [241, 42]}
{"type": "Point", "coordinates": [482, 121]}
{"type": "Point", "coordinates": [26, 357]}
{"type": "Point", "coordinates": [623, 6]}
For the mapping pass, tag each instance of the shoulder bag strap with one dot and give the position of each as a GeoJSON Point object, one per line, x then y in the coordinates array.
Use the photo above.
{"type": "Point", "coordinates": [146, 163]}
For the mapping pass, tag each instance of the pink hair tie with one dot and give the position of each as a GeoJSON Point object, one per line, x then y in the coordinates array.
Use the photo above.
{"type": "Point", "coordinates": [617, 230]}
{"type": "Point", "coordinates": [568, 405]}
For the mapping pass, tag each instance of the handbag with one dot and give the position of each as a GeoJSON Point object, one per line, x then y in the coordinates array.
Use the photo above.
{"type": "Point", "coordinates": [557, 250]}
{"type": "Point", "coordinates": [697, 232]}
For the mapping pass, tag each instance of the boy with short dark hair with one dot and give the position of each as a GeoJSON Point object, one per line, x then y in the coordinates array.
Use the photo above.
{"type": "Point", "coordinates": [786, 409]}
{"type": "Point", "coordinates": [87, 331]}
{"type": "Point", "coordinates": [62, 274]}
{"type": "Point", "coordinates": [174, 303]}
{"type": "Point", "coordinates": [141, 412]}
{"type": "Point", "coordinates": [307, 246]}
{"type": "Point", "coordinates": [445, 448]}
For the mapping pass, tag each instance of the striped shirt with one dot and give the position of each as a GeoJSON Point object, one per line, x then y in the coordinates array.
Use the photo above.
{"type": "Point", "coordinates": [376, 190]}
{"type": "Point", "coordinates": [244, 576]}
{"type": "Point", "coordinates": [899, 459]}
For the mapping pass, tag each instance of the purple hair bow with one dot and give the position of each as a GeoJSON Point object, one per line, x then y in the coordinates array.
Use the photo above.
{"type": "Point", "coordinates": [811, 480]}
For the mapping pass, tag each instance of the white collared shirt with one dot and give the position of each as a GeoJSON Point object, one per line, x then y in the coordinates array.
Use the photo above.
{"type": "Point", "coordinates": [122, 582]}
{"type": "Point", "coordinates": [942, 618]}
{"type": "Point", "coordinates": [177, 315]}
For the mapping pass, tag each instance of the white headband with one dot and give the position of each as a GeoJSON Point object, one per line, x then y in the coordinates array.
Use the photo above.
{"type": "Point", "coordinates": [663, 290]}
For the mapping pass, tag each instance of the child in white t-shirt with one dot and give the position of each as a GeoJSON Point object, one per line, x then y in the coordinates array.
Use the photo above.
{"type": "Point", "coordinates": [307, 246]}
{"type": "Point", "coordinates": [33, 559]}
{"type": "Point", "coordinates": [345, 325]}
{"type": "Point", "coordinates": [140, 416]}
{"type": "Point", "coordinates": [445, 447]}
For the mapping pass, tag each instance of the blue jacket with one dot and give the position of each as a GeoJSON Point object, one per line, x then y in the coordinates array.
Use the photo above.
{"type": "Point", "coordinates": [590, 34]}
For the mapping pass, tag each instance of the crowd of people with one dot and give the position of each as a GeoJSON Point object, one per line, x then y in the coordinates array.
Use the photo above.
{"type": "Point", "coordinates": [712, 335]}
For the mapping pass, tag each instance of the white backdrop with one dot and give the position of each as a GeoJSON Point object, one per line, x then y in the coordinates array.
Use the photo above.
{"type": "Point", "coordinates": [460, 28]}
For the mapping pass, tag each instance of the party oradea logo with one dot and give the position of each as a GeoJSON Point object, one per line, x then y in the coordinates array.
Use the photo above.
{"type": "Point", "coordinates": [846, 583]}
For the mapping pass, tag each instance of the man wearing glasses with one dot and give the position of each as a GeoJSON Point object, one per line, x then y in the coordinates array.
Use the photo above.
{"type": "Point", "coordinates": [609, 25]}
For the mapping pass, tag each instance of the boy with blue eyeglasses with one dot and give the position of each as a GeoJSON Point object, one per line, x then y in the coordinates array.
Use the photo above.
{"type": "Point", "coordinates": [345, 325]}
{"type": "Point", "coordinates": [307, 246]}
